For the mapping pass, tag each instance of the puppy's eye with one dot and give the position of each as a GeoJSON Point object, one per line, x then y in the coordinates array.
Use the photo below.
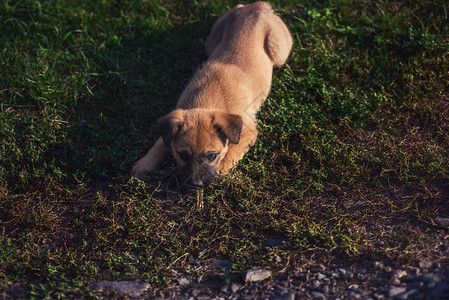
{"type": "Point", "coordinates": [184, 156]}
{"type": "Point", "coordinates": [211, 157]}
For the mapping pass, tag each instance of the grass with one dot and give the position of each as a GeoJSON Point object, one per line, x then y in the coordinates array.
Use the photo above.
{"type": "Point", "coordinates": [354, 140]}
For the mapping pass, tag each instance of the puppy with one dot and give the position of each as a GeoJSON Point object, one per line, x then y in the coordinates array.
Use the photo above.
{"type": "Point", "coordinates": [214, 123]}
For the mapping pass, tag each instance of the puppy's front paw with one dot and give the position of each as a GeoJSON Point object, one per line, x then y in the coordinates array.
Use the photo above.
{"type": "Point", "coordinates": [141, 167]}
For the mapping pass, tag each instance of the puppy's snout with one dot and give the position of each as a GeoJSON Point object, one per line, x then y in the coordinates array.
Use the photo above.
{"type": "Point", "coordinates": [199, 175]}
{"type": "Point", "coordinates": [198, 183]}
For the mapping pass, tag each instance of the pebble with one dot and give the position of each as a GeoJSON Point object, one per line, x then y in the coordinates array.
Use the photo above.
{"type": "Point", "coordinates": [316, 283]}
{"type": "Point", "coordinates": [270, 243]}
{"type": "Point", "coordinates": [195, 292]}
{"type": "Point", "coordinates": [192, 260]}
{"type": "Point", "coordinates": [256, 275]}
{"type": "Point", "coordinates": [341, 271]}
{"type": "Point", "coordinates": [320, 276]}
{"type": "Point", "coordinates": [443, 222]}
{"type": "Point", "coordinates": [222, 264]}
{"type": "Point", "coordinates": [399, 274]}
{"type": "Point", "coordinates": [183, 281]}
{"type": "Point", "coordinates": [425, 264]}
{"type": "Point", "coordinates": [317, 268]}
{"type": "Point", "coordinates": [129, 288]}
{"type": "Point", "coordinates": [393, 292]}
{"type": "Point", "coordinates": [235, 287]}
{"type": "Point", "coordinates": [408, 294]}
{"type": "Point", "coordinates": [317, 295]}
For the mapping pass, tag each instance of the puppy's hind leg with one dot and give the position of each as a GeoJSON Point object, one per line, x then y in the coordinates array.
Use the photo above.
{"type": "Point", "coordinates": [151, 161]}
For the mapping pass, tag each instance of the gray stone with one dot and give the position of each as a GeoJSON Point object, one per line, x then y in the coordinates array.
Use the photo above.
{"type": "Point", "coordinates": [431, 278]}
{"type": "Point", "coordinates": [286, 296]}
{"type": "Point", "coordinates": [378, 265]}
{"type": "Point", "coordinates": [270, 243]}
{"type": "Point", "coordinates": [320, 276]}
{"type": "Point", "coordinates": [235, 287]}
{"type": "Point", "coordinates": [129, 288]}
{"type": "Point", "coordinates": [195, 292]}
{"type": "Point", "coordinates": [225, 289]}
{"type": "Point", "coordinates": [424, 264]}
{"type": "Point", "coordinates": [378, 296]}
{"type": "Point", "coordinates": [399, 274]}
{"type": "Point", "coordinates": [409, 294]}
{"type": "Point", "coordinates": [443, 222]}
{"type": "Point", "coordinates": [393, 292]}
{"type": "Point", "coordinates": [183, 281]}
{"type": "Point", "coordinates": [316, 283]}
{"type": "Point", "coordinates": [341, 271]}
{"type": "Point", "coordinates": [317, 295]}
{"type": "Point", "coordinates": [317, 268]}
{"type": "Point", "coordinates": [222, 264]}
{"type": "Point", "coordinates": [192, 260]}
{"type": "Point", "coordinates": [256, 275]}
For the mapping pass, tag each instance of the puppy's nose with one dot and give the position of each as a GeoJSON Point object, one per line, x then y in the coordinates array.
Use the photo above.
{"type": "Point", "coordinates": [198, 182]}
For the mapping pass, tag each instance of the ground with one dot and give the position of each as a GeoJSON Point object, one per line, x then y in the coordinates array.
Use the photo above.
{"type": "Point", "coordinates": [350, 170]}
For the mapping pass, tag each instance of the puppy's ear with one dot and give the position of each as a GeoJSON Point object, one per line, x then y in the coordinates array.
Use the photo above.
{"type": "Point", "coordinates": [228, 126]}
{"type": "Point", "coordinates": [169, 125]}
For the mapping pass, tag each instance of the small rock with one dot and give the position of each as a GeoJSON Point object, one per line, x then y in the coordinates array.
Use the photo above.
{"type": "Point", "coordinates": [378, 265]}
{"type": "Point", "coordinates": [354, 295]}
{"type": "Point", "coordinates": [399, 274]}
{"type": "Point", "coordinates": [278, 258]}
{"type": "Point", "coordinates": [129, 288]}
{"type": "Point", "coordinates": [341, 271]}
{"type": "Point", "coordinates": [288, 296]}
{"type": "Point", "coordinates": [393, 292]}
{"type": "Point", "coordinates": [431, 278]}
{"type": "Point", "coordinates": [256, 275]}
{"type": "Point", "coordinates": [270, 243]}
{"type": "Point", "coordinates": [425, 264]}
{"type": "Point", "coordinates": [225, 289]}
{"type": "Point", "coordinates": [199, 278]}
{"type": "Point", "coordinates": [183, 281]}
{"type": "Point", "coordinates": [235, 287]}
{"type": "Point", "coordinates": [317, 295]}
{"type": "Point", "coordinates": [195, 292]}
{"type": "Point", "coordinates": [222, 264]}
{"type": "Point", "coordinates": [320, 276]}
{"type": "Point", "coordinates": [317, 268]}
{"type": "Point", "coordinates": [378, 296]}
{"type": "Point", "coordinates": [173, 272]}
{"type": "Point", "coordinates": [443, 222]}
{"type": "Point", "coordinates": [192, 260]}
{"type": "Point", "coordinates": [408, 294]}
{"type": "Point", "coordinates": [316, 283]}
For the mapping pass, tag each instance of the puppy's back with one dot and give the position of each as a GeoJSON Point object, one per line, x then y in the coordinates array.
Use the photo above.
{"type": "Point", "coordinates": [249, 29]}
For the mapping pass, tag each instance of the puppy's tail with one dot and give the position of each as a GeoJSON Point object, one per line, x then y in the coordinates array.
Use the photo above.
{"type": "Point", "coordinates": [278, 42]}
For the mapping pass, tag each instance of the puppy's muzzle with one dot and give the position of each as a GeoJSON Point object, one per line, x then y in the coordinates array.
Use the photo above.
{"type": "Point", "coordinates": [198, 176]}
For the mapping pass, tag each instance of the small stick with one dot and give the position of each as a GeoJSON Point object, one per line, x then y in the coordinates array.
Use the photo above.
{"type": "Point", "coordinates": [199, 198]}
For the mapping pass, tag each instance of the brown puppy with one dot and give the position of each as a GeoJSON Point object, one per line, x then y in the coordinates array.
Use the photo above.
{"type": "Point", "coordinates": [214, 123]}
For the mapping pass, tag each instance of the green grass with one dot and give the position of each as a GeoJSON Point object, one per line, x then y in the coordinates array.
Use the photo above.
{"type": "Point", "coordinates": [353, 137]}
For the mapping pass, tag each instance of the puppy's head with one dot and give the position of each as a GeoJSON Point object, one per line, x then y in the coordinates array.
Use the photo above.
{"type": "Point", "coordinates": [200, 139]}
